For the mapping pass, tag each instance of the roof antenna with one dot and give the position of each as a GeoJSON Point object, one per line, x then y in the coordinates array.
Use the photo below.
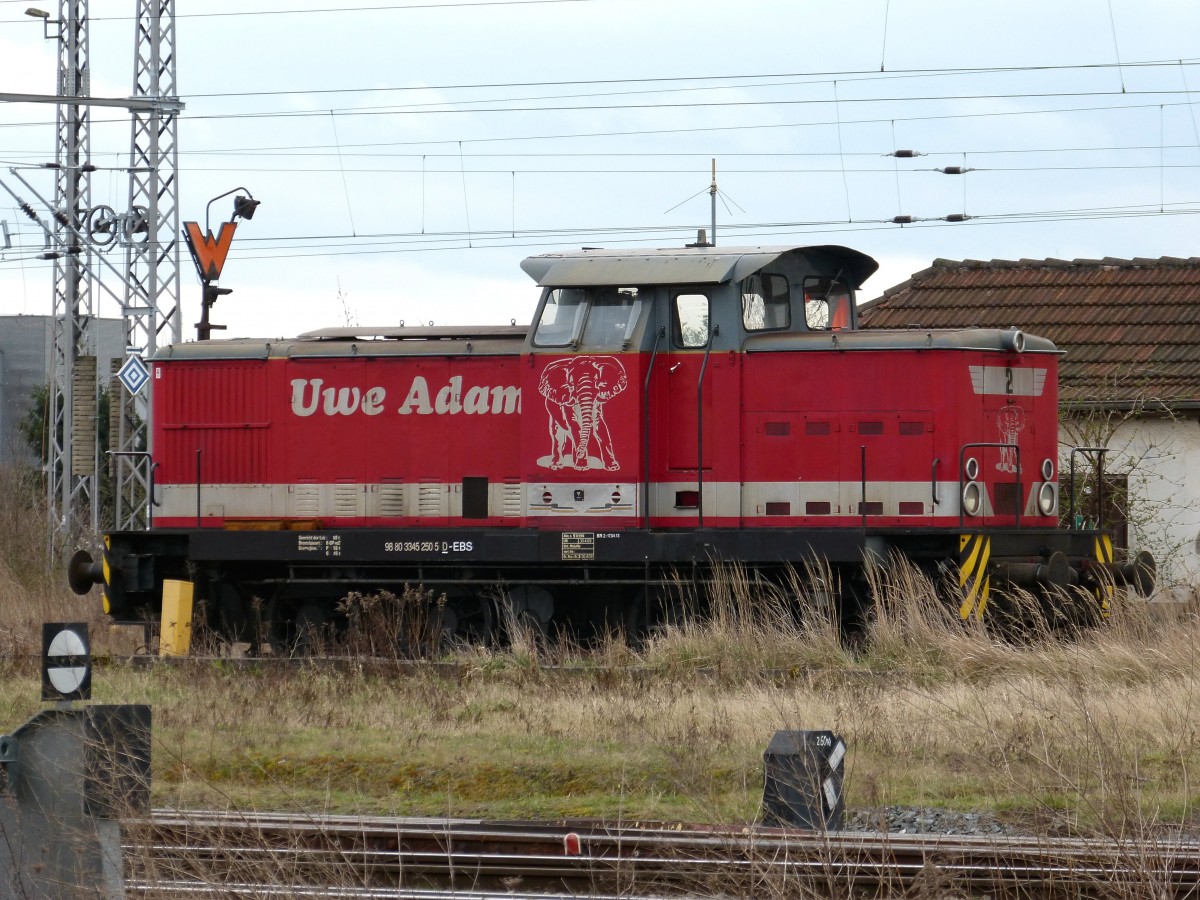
{"type": "Point", "coordinates": [713, 192]}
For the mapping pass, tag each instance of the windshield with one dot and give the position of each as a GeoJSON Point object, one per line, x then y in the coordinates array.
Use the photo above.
{"type": "Point", "coordinates": [601, 318]}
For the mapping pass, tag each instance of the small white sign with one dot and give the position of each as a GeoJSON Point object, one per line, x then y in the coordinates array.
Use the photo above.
{"type": "Point", "coordinates": [134, 374]}
{"type": "Point", "coordinates": [835, 758]}
{"type": "Point", "coordinates": [831, 793]}
{"type": "Point", "coordinates": [66, 679]}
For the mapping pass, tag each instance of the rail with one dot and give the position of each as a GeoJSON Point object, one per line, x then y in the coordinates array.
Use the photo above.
{"type": "Point", "coordinates": [200, 854]}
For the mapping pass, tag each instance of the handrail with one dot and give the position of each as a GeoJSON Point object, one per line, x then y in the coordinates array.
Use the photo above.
{"type": "Point", "coordinates": [198, 453]}
{"type": "Point", "coordinates": [713, 332]}
{"type": "Point", "coordinates": [862, 503]}
{"type": "Point", "coordinates": [1099, 485]}
{"type": "Point", "coordinates": [662, 332]}
{"type": "Point", "coordinates": [933, 481]}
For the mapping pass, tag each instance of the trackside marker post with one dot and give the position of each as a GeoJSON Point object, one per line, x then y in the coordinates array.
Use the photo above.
{"type": "Point", "coordinates": [803, 776]}
{"type": "Point", "coordinates": [176, 635]}
{"type": "Point", "coordinates": [66, 662]}
{"type": "Point", "coordinates": [67, 778]}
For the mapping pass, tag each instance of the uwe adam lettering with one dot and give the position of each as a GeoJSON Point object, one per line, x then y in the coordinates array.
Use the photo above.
{"type": "Point", "coordinates": [310, 396]}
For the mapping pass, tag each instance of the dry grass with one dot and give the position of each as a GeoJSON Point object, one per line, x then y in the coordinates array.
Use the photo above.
{"type": "Point", "coordinates": [1094, 732]}
{"type": "Point", "coordinates": [1095, 735]}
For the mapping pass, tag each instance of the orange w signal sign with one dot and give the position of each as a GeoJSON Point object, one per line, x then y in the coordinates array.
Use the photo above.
{"type": "Point", "coordinates": [208, 252]}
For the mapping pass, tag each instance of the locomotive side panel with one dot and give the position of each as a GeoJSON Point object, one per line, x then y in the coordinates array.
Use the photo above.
{"type": "Point", "coordinates": [581, 450]}
{"type": "Point", "coordinates": [875, 437]}
{"type": "Point", "coordinates": [696, 408]}
{"type": "Point", "coordinates": [347, 442]}
{"type": "Point", "coordinates": [213, 425]}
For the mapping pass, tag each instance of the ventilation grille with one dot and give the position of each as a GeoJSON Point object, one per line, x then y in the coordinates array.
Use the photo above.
{"type": "Point", "coordinates": [510, 500]}
{"type": "Point", "coordinates": [307, 500]}
{"type": "Point", "coordinates": [391, 500]}
{"type": "Point", "coordinates": [429, 500]}
{"type": "Point", "coordinates": [345, 500]}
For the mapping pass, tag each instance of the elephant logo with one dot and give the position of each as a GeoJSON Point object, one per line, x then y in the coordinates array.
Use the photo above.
{"type": "Point", "coordinates": [576, 390]}
{"type": "Point", "coordinates": [1011, 422]}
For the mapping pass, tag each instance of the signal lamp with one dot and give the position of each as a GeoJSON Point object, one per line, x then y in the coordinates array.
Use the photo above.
{"type": "Point", "coordinates": [1047, 498]}
{"type": "Point", "coordinates": [244, 207]}
{"type": "Point", "coordinates": [972, 498]}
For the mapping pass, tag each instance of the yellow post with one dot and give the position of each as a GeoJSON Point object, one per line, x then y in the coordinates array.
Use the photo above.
{"type": "Point", "coordinates": [176, 636]}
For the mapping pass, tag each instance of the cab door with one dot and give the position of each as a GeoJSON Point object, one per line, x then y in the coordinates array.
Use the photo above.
{"type": "Point", "coordinates": [683, 426]}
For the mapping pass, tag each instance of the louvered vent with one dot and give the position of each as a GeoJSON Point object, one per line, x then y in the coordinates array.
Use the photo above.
{"type": "Point", "coordinates": [307, 500]}
{"type": "Point", "coordinates": [391, 500]}
{"type": "Point", "coordinates": [429, 501]}
{"type": "Point", "coordinates": [345, 500]}
{"type": "Point", "coordinates": [510, 499]}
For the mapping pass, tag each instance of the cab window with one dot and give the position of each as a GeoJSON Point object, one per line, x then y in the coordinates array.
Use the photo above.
{"type": "Point", "coordinates": [691, 320]}
{"type": "Point", "coordinates": [765, 303]}
{"type": "Point", "coordinates": [826, 304]}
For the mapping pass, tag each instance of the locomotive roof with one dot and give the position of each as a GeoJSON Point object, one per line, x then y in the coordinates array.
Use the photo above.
{"type": "Point", "coordinates": [693, 265]}
{"type": "Point", "coordinates": [442, 340]}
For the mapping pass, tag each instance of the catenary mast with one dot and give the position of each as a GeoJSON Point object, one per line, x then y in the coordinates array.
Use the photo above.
{"type": "Point", "coordinates": [72, 401]}
{"type": "Point", "coordinates": [151, 305]}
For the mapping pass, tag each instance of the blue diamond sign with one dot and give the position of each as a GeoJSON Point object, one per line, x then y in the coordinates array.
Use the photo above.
{"type": "Point", "coordinates": [134, 374]}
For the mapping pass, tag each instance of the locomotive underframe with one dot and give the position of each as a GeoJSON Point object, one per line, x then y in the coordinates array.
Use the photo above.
{"type": "Point", "coordinates": [595, 580]}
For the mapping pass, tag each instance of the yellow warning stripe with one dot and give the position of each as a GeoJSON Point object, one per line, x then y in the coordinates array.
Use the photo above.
{"type": "Point", "coordinates": [107, 574]}
{"type": "Point", "coordinates": [974, 552]}
{"type": "Point", "coordinates": [1104, 555]}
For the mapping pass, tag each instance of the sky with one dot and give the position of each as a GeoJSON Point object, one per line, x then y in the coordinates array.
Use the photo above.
{"type": "Point", "coordinates": [409, 155]}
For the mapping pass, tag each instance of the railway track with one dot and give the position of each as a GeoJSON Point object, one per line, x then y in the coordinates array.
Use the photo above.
{"type": "Point", "coordinates": [209, 855]}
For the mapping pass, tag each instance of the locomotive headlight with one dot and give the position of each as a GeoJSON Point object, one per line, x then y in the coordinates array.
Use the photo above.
{"type": "Point", "coordinates": [1047, 470]}
{"type": "Point", "coordinates": [1047, 497]}
{"type": "Point", "coordinates": [971, 498]}
{"type": "Point", "coordinates": [972, 469]}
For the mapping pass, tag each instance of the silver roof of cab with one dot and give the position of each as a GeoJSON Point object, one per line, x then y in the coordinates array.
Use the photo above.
{"type": "Point", "coordinates": [700, 265]}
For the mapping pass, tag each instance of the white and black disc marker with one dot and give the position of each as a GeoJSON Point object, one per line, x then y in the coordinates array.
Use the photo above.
{"type": "Point", "coordinates": [66, 661]}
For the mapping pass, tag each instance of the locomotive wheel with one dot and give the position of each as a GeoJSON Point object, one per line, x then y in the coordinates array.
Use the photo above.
{"type": "Point", "coordinates": [299, 631]}
{"type": "Point", "coordinates": [467, 619]}
{"type": "Point", "coordinates": [525, 611]}
{"type": "Point", "coordinates": [526, 631]}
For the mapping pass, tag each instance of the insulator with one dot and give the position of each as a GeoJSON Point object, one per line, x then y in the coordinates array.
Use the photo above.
{"type": "Point", "coordinates": [62, 218]}
{"type": "Point", "coordinates": [902, 220]}
{"type": "Point", "coordinates": [905, 154]}
{"type": "Point", "coordinates": [954, 170]}
{"type": "Point", "coordinates": [957, 217]}
{"type": "Point", "coordinates": [87, 167]}
{"type": "Point", "coordinates": [28, 210]}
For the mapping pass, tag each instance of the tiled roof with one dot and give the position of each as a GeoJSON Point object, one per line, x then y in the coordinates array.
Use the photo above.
{"type": "Point", "coordinates": [1130, 327]}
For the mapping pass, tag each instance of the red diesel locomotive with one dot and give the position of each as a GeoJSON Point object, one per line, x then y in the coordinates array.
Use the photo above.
{"type": "Point", "coordinates": [667, 409]}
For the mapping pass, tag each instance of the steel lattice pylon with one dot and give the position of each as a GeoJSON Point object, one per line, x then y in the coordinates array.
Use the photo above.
{"type": "Point", "coordinates": [151, 305]}
{"type": "Point", "coordinates": [72, 398]}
